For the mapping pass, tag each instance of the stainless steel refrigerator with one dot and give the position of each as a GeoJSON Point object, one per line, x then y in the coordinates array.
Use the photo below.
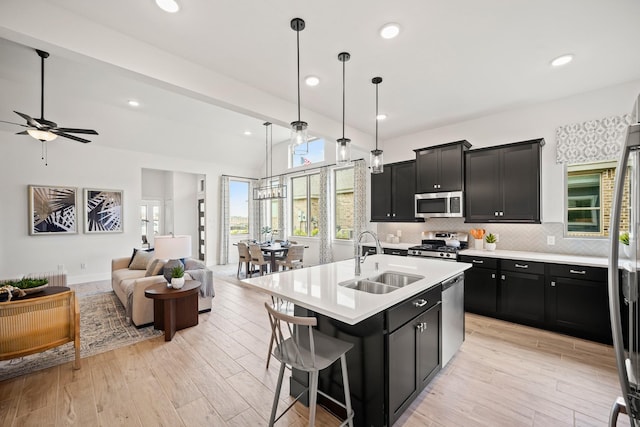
{"type": "Point", "coordinates": [623, 276]}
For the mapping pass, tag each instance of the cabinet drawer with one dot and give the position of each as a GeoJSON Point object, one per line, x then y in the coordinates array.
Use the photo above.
{"type": "Point", "coordinates": [414, 306]}
{"type": "Point", "coordinates": [522, 266]}
{"type": "Point", "coordinates": [595, 274]}
{"type": "Point", "coordinates": [390, 251]}
{"type": "Point", "coordinates": [371, 250]}
{"type": "Point", "coordinates": [478, 261]}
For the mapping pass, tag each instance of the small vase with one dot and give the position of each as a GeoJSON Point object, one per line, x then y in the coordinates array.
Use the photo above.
{"type": "Point", "coordinates": [490, 246]}
{"type": "Point", "coordinates": [627, 250]}
{"type": "Point", "coordinates": [478, 244]}
{"type": "Point", "coordinates": [177, 282]}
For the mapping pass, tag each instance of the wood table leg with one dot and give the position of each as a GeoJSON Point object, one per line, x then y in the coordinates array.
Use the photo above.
{"type": "Point", "coordinates": [169, 319]}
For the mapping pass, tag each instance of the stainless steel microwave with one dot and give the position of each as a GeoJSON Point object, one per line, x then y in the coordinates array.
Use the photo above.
{"type": "Point", "coordinates": [439, 205]}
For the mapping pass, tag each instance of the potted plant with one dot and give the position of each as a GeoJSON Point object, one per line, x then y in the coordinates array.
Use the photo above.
{"type": "Point", "coordinates": [490, 240]}
{"type": "Point", "coordinates": [624, 239]}
{"type": "Point", "coordinates": [177, 277]}
{"type": "Point", "coordinates": [266, 230]}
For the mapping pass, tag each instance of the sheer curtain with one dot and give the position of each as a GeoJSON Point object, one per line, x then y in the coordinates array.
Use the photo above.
{"type": "Point", "coordinates": [360, 197]}
{"type": "Point", "coordinates": [255, 212]}
{"type": "Point", "coordinates": [324, 220]}
{"type": "Point", "coordinates": [223, 250]}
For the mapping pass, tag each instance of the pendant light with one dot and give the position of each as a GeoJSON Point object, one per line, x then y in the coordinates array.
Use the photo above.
{"type": "Point", "coordinates": [343, 146]}
{"type": "Point", "coordinates": [269, 191]}
{"type": "Point", "coordinates": [299, 137]}
{"type": "Point", "coordinates": [376, 160]}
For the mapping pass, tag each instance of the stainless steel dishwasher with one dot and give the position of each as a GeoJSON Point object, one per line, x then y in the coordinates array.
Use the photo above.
{"type": "Point", "coordinates": [452, 317]}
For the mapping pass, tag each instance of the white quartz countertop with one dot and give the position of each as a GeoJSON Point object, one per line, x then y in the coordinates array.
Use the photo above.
{"type": "Point", "coordinates": [540, 256]}
{"type": "Point", "coordinates": [316, 288]}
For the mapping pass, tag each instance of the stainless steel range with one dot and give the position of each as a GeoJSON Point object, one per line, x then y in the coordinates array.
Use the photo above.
{"type": "Point", "coordinates": [441, 244]}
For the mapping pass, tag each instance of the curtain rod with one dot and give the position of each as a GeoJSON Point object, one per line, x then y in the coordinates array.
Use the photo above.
{"type": "Point", "coordinates": [310, 169]}
{"type": "Point", "coordinates": [241, 177]}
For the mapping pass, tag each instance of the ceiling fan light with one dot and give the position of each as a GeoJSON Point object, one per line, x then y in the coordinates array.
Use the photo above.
{"type": "Point", "coordinates": [42, 135]}
{"type": "Point", "coordinates": [169, 6]}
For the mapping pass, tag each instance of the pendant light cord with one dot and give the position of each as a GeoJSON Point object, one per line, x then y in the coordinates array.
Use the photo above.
{"type": "Point", "coordinates": [343, 96]}
{"type": "Point", "coordinates": [298, 56]}
{"type": "Point", "coordinates": [377, 116]}
{"type": "Point", "coordinates": [42, 88]}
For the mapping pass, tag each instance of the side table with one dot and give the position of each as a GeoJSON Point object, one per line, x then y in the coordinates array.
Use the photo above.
{"type": "Point", "coordinates": [174, 309]}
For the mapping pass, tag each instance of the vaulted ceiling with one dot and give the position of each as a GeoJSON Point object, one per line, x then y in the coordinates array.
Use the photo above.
{"type": "Point", "coordinates": [452, 61]}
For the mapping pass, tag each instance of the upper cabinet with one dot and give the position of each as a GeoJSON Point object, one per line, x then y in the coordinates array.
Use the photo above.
{"type": "Point", "coordinates": [392, 193]}
{"type": "Point", "coordinates": [440, 168]}
{"type": "Point", "coordinates": [502, 184]}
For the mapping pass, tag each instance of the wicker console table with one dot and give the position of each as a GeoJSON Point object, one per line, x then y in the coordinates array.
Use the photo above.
{"type": "Point", "coordinates": [39, 322]}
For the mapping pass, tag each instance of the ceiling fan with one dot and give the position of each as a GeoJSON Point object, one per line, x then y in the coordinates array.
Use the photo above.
{"type": "Point", "coordinates": [45, 130]}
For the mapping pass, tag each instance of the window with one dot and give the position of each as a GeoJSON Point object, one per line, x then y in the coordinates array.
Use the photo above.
{"type": "Point", "coordinates": [590, 197]}
{"type": "Point", "coordinates": [305, 209]}
{"type": "Point", "coordinates": [238, 207]}
{"type": "Point", "coordinates": [315, 154]}
{"type": "Point", "coordinates": [344, 203]}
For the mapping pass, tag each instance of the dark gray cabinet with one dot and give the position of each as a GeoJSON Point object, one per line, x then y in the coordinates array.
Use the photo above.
{"type": "Point", "coordinates": [440, 168]}
{"type": "Point", "coordinates": [502, 184]}
{"type": "Point", "coordinates": [577, 301]}
{"type": "Point", "coordinates": [565, 298]}
{"type": "Point", "coordinates": [481, 285]}
{"type": "Point", "coordinates": [392, 193]}
{"type": "Point", "coordinates": [522, 291]}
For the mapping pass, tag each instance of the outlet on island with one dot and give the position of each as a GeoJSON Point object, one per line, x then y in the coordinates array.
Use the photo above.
{"type": "Point", "coordinates": [83, 266]}
{"type": "Point", "coordinates": [551, 240]}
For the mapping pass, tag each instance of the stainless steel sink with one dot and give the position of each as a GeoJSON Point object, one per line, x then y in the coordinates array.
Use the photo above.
{"type": "Point", "coordinates": [396, 279]}
{"type": "Point", "coordinates": [383, 283]}
{"type": "Point", "coordinates": [368, 286]}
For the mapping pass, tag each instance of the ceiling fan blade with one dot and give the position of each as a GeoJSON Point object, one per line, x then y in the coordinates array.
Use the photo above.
{"type": "Point", "coordinates": [12, 123]}
{"type": "Point", "coordinates": [32, 122]}
{"type": "Point", "coordinates": [65, 135]}
{"type": "Point", "coordinates": [24, 132]}
{"type": "Point", "coordinates": [72, 130]}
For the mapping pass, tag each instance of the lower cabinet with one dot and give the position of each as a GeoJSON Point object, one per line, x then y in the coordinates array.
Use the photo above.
{"type": "Point", "coordinates": [394, 356]}
{"type": "Point", "coordinates": [414, 358]}
{"type": "Point", "coordinates": [577, 301]}
{"type": "Point", "coordinates": [570, 299]}
{"type": "Point", "coordinates": [481, 285]}
{"type": "Point", "coordinates": [522, 291]}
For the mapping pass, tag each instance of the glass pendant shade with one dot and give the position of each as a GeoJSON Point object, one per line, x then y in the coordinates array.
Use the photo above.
{"type": "Point", "coordinates": [376, 161]}
{"type": "Point", "coordinates": [42, 135]}
{"type": "Point", "coordinates": [299, 138]}
{"type": "Point", "coordinates": [343, 151]}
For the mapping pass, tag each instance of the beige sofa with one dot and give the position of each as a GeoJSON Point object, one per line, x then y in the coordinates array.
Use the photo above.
{"type": "Point", "coordinates": [129, 286]}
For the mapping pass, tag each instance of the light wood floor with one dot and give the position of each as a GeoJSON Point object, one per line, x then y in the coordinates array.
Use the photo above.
{"type": "Point", "coordinates": [214, 375]}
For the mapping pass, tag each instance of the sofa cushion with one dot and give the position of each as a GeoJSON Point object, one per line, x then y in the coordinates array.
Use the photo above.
{"type": "Point", "coordinates": [126, 274]}
{"type": "Point", "coordinates": [141, 260]}
{"type": "Point", "coordinates": [155, 268]}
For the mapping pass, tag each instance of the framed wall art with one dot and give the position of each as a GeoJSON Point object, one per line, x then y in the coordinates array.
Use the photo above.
{"type": "Point", "coordinates": [52, 210]}
{"type": "Point", "coordinates": [102, 211]}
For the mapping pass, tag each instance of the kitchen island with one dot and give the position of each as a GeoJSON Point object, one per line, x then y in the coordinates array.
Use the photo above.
{"type": "Point", "coordinates": [397, 335]}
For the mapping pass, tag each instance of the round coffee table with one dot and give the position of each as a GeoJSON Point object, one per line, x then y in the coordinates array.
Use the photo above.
{"type": "Point", "coordinates": [174, 309]}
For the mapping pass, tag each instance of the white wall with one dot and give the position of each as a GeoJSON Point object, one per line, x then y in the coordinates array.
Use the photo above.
{"type": "Point", "coordinates": [87, 166]}
{"type": "Point", "coordinates": [185, 207]}
{"type": "Point", "coordinates": [539, 121]}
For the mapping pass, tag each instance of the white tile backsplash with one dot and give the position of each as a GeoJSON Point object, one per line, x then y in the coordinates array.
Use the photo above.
{"type": "Point", "coordinates": [515, 237]}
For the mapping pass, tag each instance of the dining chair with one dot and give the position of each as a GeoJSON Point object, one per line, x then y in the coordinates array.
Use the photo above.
{"type": "Point", "coordinates": [293, 259]}
{"type": "Point", "coordinates": [257, 259]}
{"type": "Point", "coordinates": [306, 349]}
{"type": "Point", "coordinates": [243, 258]}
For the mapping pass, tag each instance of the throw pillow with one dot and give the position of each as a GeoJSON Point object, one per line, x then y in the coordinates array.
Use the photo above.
{"type": "Point", "coordinates": [155, 268]}
{"type": "Point", "coordinates": [193, 264]}
{"type": "Point", "coordinates": [136, 251]}
{"type": "Point", "coordinates": [141, 260]}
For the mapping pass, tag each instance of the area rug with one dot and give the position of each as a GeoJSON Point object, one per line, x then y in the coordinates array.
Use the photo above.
{"type": "Point", "coordinates": [102, 328]}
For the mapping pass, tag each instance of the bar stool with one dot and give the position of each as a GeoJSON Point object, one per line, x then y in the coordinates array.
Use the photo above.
{"type": "Point", "coordinates": [310, 352]}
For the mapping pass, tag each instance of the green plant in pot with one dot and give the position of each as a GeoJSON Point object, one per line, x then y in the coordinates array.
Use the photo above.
{"type": "Point", "coordinates": [624, 239]}
{"type": "Point", "coordinates": [490, 242]}
{"type": "Point", "coordinates": [177, 277]}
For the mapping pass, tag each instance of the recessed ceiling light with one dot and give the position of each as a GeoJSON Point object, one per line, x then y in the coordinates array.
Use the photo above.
{"type": "Point", "coordinates": [312, 80]}
{"type": "Point", "coordinates": [562, 60]}
{"type": "Point", "coordinates": [170, 6]}
{"type": "Point", "coordinates": [133, 103]}
{"type": "Point", "coordinates": [381, 116]}
{"type": "Point", "coordinates": [247, 132]}
{"type": "Point", "coordinates": [390, 30]}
